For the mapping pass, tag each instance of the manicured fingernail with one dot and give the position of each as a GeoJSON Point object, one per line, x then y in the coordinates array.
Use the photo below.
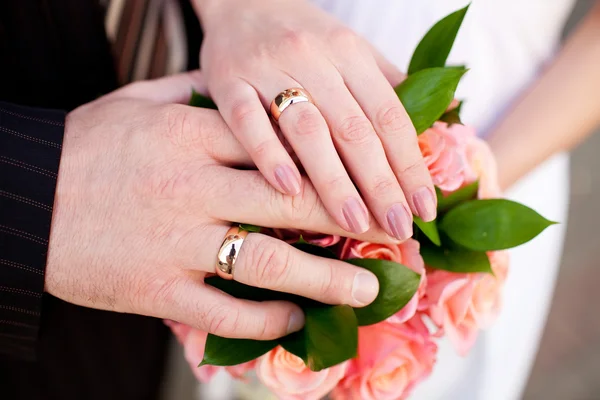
{"type": "Point", "coordinates": [425, 203]}
{"type": "Point", "coordinates": [296, 321]}
{"type": "Point", "coordinates": [399, 220]}
{"type": "Point", "coordinates": [356, 215]}
{"type": "Point", "coordinates": [365, 288]}
{"type": "Point", "coordinates": [287, 179]}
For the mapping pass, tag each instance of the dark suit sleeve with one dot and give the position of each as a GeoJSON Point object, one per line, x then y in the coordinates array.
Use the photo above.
{"type": "Point", "coordinates": [30, 148]}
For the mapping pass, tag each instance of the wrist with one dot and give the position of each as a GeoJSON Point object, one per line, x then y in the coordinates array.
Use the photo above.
{"type": "Point", "coordinates": [209, 10]}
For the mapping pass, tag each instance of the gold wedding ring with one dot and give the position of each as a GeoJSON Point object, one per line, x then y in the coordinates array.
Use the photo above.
{"type": "Point", "coordinates": [229, 250]}
{"type": "Point", "coordinates": [286, 99]}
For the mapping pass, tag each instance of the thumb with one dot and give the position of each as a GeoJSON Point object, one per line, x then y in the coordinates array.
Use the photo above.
{"type": "Point", "coordinates": [170, 89]}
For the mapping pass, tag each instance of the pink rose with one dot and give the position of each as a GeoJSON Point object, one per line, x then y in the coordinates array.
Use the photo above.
{"type": "Point", "coordinates": [391, 360]}
{"type": "Point", "coordinates": [444, 150]}
{"type": "Point", "coordinates": [456, 157]}
{"type": "Point", "coordinates": [289, 378]}
{"type": "Point", "coordinates": [462, 304]}
{"type": "Point", "coordinates": [406, 253]}
{"type": "Point", "coordinates": [318, 239]}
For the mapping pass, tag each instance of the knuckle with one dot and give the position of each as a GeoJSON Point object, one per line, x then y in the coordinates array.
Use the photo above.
{"type": "Point", "coordinates": [383, 187]}
{"type": "Point", "coordinates": [166, 181]}
{"type": "Point", "coordinates": [221, 319]}
{"type": "Point", "coordinates": [304, 207]}
{"type": "Point", "coordinates": [265, 148]}
{"type": "Point", "coordinates": [297, 210]}
{"type": "Point", "coordinates": [307, 122]}
{"type": "Point", "coordinates": [393, 121]}
{"type": "Point", "coordinates": [412, 167]}
{"type": "Point", "coordinates": [179, 130]}
{"type": "Point", "coordinates": [242, 113]}
{"type": "Point", "coordinates": [342, 37]}
{"type": "Point", "coordinates": [295, 40]}
{"type": "Point", "coordinates": [336, 183]}
{"type": "Point", "coordinates": [355, 130]}
{"type": "Point", "coordinates": [269, 264]}
{"type": "Point", "coordinates": [329, 286]}
{"type": "Point", "coordinates": [270, 329]}
{"type": "Point", "coordinates": [152, 292]}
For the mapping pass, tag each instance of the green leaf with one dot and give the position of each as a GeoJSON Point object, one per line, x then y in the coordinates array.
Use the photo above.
{"type": "Point", "coordinates": [295, 343]}
{"type": "Point", "coordinates": [250, 228]}
{"type": "Point", "coordinates": [453, 116]}
{"type": "Point", "coordinates": [201, 101]}
{"type": "Point", "coordinates": [246, 292]}
{"type": "Point", "coordinates": [492, 224]}
{"type": "Point", "coordinates": [463, 194]}
{"type": "Point", "coordinates": [331, 336]}
{"type": "Point", "coordinates": [397, 285]}
{"type": "Point", "coordinates": [427, 94]}
{"type": "Point", "coordinates": [429, 229]}
{"type": "Point", "coordinates": [314, 249]}
{"type": "Point", "coordinates": [301, 240]}
{"type": "Point", "coordinates": [241, 291]}
{"type": "Point", "coordinates": [433, 49]}
{"type": "Point", "coordinates": [455, 259]}
{"type": "Point", "coordinates": [224, 352]}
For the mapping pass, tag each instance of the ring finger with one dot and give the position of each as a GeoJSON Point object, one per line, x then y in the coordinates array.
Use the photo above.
{"type": "Point", "coordinates": [308, 134]}
{"type": "Point", "coordinates": [269, 263]}
{"type": "Point", "coordinates": [359, 146]}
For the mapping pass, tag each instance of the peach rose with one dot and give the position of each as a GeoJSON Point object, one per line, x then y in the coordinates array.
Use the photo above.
{"type": "Point", "coordinates": [289, 378]}
{"type": "Point", "coordinates": [181, 331]}
{"type": "Point", "coordinates": [482, 166]}
{"type": "Point", "coordinates": [406, 253]}
{"type": "Point", "coordinates": [193, 350]}
{"type": "Point", "coordinates": [239, 371]}
{"type": "Point", "coordinates": [318, 239]}
{"type": "Point", "coordinates": [193, 341]}
{"type": "Point", "coordinates": [391, 360]}
{"type": "Point", "coordinates": [444, 150]}
{"type": "Point", "coordinates": [487, 297]}
{"type": "Point", "coordinates": [462, 304]}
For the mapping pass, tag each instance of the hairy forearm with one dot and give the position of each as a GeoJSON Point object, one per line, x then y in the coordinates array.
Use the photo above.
{"type": "Point", "coordinates": [558, 111]}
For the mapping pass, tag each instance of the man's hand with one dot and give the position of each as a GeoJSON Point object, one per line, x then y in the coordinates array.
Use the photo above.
{"type": "Point", "coordinates": [145, 195]}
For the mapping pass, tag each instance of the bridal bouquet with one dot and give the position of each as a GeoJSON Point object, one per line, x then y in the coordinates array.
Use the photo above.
{"type": "Point", "coordinates": [445, 281]}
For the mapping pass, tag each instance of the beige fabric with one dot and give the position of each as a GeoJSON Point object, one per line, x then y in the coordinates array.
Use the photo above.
{"type": "Point", "coordinates": [148, 38]}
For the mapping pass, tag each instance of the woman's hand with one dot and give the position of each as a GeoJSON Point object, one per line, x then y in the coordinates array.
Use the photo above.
{"type": "Point", "coordinates": [356, 131]}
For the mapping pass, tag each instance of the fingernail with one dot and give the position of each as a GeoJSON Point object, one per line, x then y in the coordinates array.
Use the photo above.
{"type": "Point", "coordinates": [287, 179]}
{"type": "Point", "coordinates": [356, 216]}
{"type": "Point", "coordinates": [425, 204]}
{"type": "Point", "coordinates": [365, 288]}
{"type": "Point", "coordinates": [296, 321]}
{"type": "Point", "coordinates": [399, 220]}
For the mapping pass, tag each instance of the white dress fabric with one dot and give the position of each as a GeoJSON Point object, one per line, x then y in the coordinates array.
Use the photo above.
{"type": "Point", "coordinates": [504, 43]}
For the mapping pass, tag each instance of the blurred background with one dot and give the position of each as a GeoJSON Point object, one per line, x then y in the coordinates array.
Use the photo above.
{"type": "Point", "coordinates": [568, 362]}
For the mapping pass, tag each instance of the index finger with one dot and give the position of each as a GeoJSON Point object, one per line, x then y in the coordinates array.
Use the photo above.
{"type": "Point", "coordinates": [247, 197]}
